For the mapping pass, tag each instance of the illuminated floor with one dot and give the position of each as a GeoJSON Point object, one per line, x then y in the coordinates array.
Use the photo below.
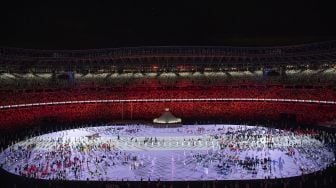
{"type": "Point", "coordinates": [195, 152]}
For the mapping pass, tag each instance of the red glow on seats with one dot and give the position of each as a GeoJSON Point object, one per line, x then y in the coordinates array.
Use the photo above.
{"type": "Point", "coordinates": [305, 113]}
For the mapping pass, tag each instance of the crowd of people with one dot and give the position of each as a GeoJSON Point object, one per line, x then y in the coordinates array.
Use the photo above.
{"type": "Point", "coordinates": [200, 152]}
{"type": "Point", "coordinates": [66, 158]}
{"type": "Point", "coordinates": [324, 178]}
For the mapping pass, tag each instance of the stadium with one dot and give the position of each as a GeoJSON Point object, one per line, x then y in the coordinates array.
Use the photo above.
{"type": "Point", "coordinates": [116, 94]}
{"type": "Point", "coordinates": [169, 115]}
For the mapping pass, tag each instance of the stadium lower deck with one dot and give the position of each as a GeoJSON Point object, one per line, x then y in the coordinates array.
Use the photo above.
{"type": "Point", "coordinates": [190, 152]}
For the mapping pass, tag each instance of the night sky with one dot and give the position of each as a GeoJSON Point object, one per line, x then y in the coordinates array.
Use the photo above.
{"type": "Point", "coordinates": [104, 24]}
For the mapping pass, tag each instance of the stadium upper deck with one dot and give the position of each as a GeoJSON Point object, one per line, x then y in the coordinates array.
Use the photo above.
{"type": "Point", "coordinates": [188, 57]}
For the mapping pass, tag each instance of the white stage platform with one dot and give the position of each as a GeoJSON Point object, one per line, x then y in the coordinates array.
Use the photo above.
{"type": "Point", "coordinates": [194, 152]}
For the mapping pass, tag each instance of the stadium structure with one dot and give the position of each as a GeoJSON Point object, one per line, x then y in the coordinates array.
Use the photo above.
{"type": "Point", "coordinates": [282, 99]}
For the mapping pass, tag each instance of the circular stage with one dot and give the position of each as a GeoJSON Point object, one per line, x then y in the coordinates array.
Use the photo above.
{"type": "Point", "coordinates": [191, 152]}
